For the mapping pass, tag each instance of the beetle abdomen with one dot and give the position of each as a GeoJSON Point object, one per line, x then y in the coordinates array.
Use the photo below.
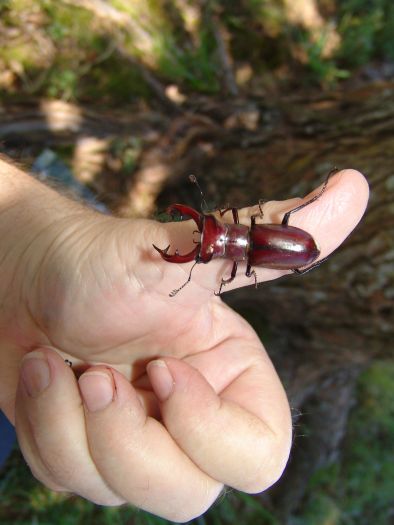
{"type": "Point", "coordinates": [281, 247]}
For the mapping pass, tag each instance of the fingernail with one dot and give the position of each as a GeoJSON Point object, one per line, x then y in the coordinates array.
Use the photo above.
{"type": "Point", "coordinates": [96, 389]}
{"type": "Point", "coordinates": [161, 379]}
{"type": "Point", "coordinates": [35, 373]}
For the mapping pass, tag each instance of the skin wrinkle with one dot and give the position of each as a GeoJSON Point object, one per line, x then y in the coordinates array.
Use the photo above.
{"type": "Point", "coordinates": [207, 323]}
{"type": "Point", "coordinates": [341, 202]}
{"type": "Point", "coordinates": [217, 311]}
{"type": "Point", "coordinates": [132, 273]}
{"type": "Point", "coordinates": [59, 469]}
{"type": "Point", "coordinates": [96, 235]}
{"type": "Point", "coordinates": [133, 278]}
{"type": "Point", "coordinates": [8, 253]}
{"type": "Point", "coordinates": [255, 420]}
{"type": "Point", "coordinates": [49, 253]}
{"type": "Point", "coordinates": [15, 322]}
{"type": "Point", "coordinates": [216, 340]}
{"type": "Point", "coordinates": [220, 310]}
{"type": "Point", "coordinates": [193, 360]}
{"type": "Point", "coordinates": [319, 213]}
{"type": "Point", "coordinates": [122, 261]}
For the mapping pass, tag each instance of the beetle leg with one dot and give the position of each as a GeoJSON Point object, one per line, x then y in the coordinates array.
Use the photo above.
{"type": "Point", "coordinates": [223, 209]}
{"type": "Point", "coordinates": [230, 279]}
{"type": "Point", "coordinates": [301, 271]}
{"type": "Point", "coordinates": [251, 273]}
{"type": "Point", "coordinates": [260, 214]}
{"type": "Point", "coordinates": [234, 212]}
{"type": "Point", "coordinates": [286, 217]}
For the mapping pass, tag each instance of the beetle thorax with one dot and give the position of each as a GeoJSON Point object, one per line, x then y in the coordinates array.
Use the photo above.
{"type": "Point", "coordinates": [223, 240]}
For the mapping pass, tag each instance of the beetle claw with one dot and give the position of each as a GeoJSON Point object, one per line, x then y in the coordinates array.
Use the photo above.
{"type": "Point", "coordinates": [177, 257]}
{"type": "Point", "coordinates": [163, 252]}
{"type": "Point", "coordinates": [183, 211]}
{"type": "Point", "coordinates": [186, 211]}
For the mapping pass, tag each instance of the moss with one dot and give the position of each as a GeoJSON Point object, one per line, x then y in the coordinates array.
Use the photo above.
{"type": "Point", "coordinates": [195, 69]}
{"type": "Point", "coordinates": [366, 29]}
{"type": "Point", "coordinates": [69, 24]}
{"type": "Point", "coordinates": [79, 61]}
{"type": "Point", "coordinates": [322, 510]}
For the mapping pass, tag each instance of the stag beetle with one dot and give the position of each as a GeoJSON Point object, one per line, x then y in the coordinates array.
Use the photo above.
{"type": "Point", "coordinates": [277, 246]}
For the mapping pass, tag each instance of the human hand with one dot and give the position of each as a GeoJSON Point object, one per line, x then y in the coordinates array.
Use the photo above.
{"type": "Point", "coordinates": [101, 296]}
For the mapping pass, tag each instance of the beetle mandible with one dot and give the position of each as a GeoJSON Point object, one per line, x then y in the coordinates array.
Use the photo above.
{"type": "Point", "coordinates": [276, 246]}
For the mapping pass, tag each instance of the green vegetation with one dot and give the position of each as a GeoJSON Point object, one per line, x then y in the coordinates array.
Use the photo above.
{"type": "Point", "coordinates": [56, 49]}
{"type": "Point", "coordinates": [359, 489]}
{"type": "Point", "coordinates": [367, 32]}
{"type": "Point", "coordinates": [25, 501]}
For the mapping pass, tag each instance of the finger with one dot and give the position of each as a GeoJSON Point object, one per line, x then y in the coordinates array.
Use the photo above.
{"type": "Point", "coordinates": [136, 454]}
{"type": "Point", "coordinates": [234, 438]}
{"type": "Point", "coordinates": [51, 428]}
{"type": "Point", "coordinates": [329, 220]}
{"type": "Point", "coordinates": [10, 358]}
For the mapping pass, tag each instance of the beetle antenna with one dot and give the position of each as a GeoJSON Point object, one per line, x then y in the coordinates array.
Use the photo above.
{"type": "Point", "coordinates": [194, 180]}
{"type": "Point", "coordinates": [174, 292]}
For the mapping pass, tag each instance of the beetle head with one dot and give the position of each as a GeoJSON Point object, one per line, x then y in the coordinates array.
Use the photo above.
{"type": "Point", "coordinates": [183, 211]}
